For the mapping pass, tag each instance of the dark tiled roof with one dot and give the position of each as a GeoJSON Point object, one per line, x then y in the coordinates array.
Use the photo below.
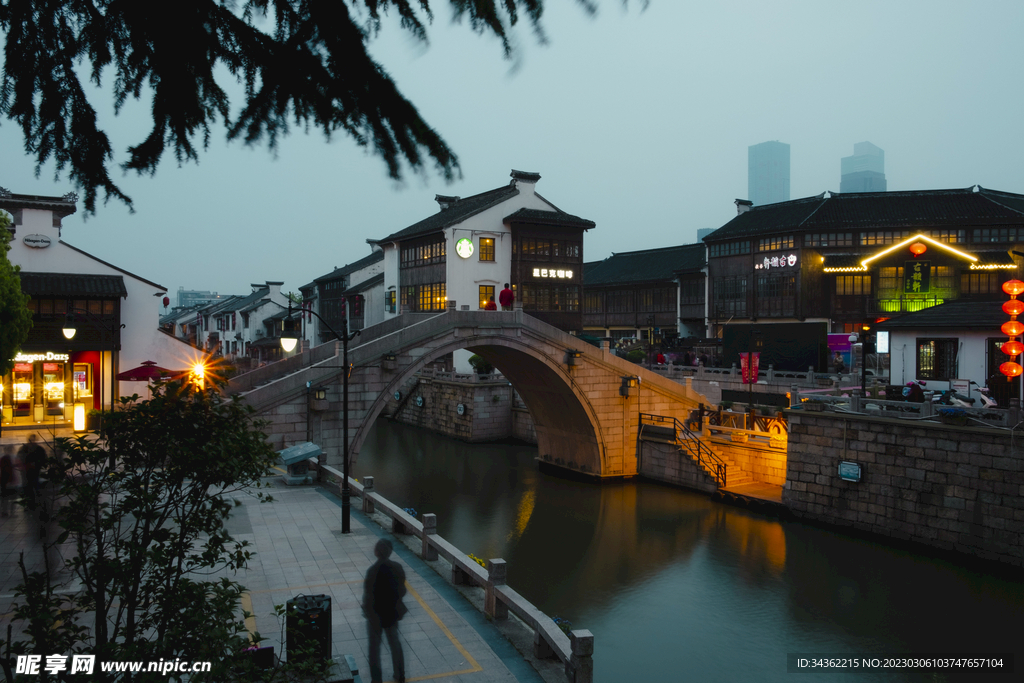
{"type": "Point", "coordinates": [966, 315]}
{"type": "Point", "coordinates": [377, 279]}
{"type": "Point", "coordinates": [62, 206]}
{"type": "Point", "coordinates": [376, 256]}
{"type": "Point", "coordinates": [456, 213]}
{"type": "Point", "coordinates": [859, 210]}
{"type": "Point", "coordinates": [649, 265]}
{"type": "Point", "coordinates": [68, 285]}
{"type": "Point", "coordinates": [987, 258]}
{"type": "Point", "coordinates": [843, 260]}
{"type": "Point", "coordinates": [548, 218]}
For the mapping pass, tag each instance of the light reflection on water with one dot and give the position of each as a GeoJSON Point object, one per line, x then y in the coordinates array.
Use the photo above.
{"type": "Point", "coordinates": [675, 586]}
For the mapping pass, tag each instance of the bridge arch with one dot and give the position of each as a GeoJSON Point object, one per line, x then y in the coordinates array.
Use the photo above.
{"type": "Point", "coordinates": [566, 423]}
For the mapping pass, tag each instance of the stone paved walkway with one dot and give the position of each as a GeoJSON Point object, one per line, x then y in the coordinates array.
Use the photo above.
{"type": "Point", "coordinates": [300, 550]}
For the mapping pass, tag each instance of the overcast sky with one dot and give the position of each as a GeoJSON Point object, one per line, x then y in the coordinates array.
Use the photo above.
{"type": "Point", "coordinates": [637, 120]}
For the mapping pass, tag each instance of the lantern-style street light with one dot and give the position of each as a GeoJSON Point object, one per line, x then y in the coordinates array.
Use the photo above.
{"type": "Point", "coordinates": [289, 338]}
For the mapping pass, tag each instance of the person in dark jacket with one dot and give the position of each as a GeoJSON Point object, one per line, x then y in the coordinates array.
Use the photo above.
{"type": "Point", "coordinates": [383, 590]}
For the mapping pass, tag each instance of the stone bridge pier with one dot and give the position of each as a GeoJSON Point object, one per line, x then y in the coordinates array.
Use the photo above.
{"type": "Point", "coordinates": [585, 402]}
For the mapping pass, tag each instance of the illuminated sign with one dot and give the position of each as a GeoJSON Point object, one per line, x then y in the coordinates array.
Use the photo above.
{"type": "Point", "coordinates": [35, 357]}
{"type": "Point", "coordinates": [776, 262]}
{"type": "Point", "coordinates": [916, 277]}
{"type": "Point", "coordinates": [464, 247]}
{"type": "Point", "coordinates": [552, 272]}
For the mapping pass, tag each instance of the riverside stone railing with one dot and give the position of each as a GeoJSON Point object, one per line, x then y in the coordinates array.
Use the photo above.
{"type": "Point", "coordinates": [575, 650]}
{"type": "Point", "coordinates": [848, 399]}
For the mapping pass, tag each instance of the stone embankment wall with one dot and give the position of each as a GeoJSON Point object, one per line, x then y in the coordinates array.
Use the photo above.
{"type": "Point", "coordinates": [487, 410]}
{"type": "Point", "coordinates": [955, 488]}
{"type": "Point", "coordinates": [663, 462]}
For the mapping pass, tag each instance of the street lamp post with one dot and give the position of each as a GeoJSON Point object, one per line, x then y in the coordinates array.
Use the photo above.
{"type": "Point", "coordinates": [289, 338]}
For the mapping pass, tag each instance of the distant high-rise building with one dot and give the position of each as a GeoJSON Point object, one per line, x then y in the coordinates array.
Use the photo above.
{"type": "Point", "coordinates": [192, 297]}
{"type": "Point", "coordinates": [768, 173]}
{"type": "Point", "coordinates": [864, 171]}
{"type": "Point", "coordinates": [704, 232]}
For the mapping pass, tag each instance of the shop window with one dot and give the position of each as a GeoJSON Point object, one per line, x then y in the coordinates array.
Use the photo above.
{"type": "Point", "coordinates": [890, 279]}
{"type": "Point", "coordinates": [853, 285]}
{"type": "Point", "coordinates": [936, 359]}
{"type": "Point", "coordinates": [980, 283]}
{"type": "Point", "coordinates": [486, 294]}
{"type": "Point", "coordinates": [487, 249]}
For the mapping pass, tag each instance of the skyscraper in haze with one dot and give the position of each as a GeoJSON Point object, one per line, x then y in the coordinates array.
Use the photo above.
{"type": "Point", "coordinates": [768, 173]}
{"type": "Point", "coordinates": [864, 171]}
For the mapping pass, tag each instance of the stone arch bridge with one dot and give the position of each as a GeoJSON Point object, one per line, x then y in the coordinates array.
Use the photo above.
{"type": "Point", "coordinates": [585, 413]}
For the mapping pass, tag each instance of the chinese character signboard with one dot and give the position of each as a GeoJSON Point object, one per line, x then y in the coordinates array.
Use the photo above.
{"type": "Point", "coordinates": [748, 369]}
{"type": "Point", "coordinates": [916, 277]}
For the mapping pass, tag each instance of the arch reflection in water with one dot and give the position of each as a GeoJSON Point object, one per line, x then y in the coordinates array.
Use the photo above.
{"type": "Point", "coordinates": [674, 585]}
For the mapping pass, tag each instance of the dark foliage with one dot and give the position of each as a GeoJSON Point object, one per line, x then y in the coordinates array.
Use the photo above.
{"type": "Point", "coordinates": [302, 62]}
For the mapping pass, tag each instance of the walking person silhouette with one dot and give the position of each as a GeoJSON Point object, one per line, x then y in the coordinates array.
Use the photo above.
{"type": "Point", "coordinates": [383, 590]}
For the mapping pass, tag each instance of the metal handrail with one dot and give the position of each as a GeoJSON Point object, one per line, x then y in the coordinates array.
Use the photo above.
{"type": "Point", "coordinates": [691, 443]}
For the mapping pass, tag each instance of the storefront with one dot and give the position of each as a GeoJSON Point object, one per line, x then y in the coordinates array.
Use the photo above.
{"type": "Point", "coordinates": [53, 374]}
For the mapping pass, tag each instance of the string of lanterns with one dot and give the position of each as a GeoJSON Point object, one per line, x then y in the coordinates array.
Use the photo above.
{"type": "Point", "coordinates": [1012, 328]}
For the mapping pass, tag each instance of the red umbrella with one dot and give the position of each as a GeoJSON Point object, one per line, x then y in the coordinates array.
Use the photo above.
{"type": "Point", "coordinates": [147, 371]}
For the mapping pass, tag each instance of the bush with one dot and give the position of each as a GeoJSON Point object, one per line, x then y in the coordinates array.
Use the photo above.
{"type": "Point", "coordinates": [636, 356]}
{"type": "Point", "coordinates": [481, 365]}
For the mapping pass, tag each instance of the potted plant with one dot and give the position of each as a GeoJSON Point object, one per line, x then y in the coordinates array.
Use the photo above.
{"type": "Point", "coordinates": [814, 405]}
{"type": "Point", "coordinates": [94, 420]}
{"type": "Point", "coordinates": [481, 365]}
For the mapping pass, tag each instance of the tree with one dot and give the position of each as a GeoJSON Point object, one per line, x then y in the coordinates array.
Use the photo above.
{"type": "Point", "coordinates": [145, 514]}
{"type": "Point", "coordinates": [311, 68]}
{"type": "Point", "coordinates": [15, 318]}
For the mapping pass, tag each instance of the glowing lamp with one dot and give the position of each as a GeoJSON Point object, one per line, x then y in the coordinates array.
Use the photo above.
{"type": "Point", "coordinates": [918, 248]}
{"type": "Point", "coordinates": [1012, 328]}
{"type": "Point", "coordinates": [1012, 348]}
{"type": "Point", "coordinates": [1013, 287]}
{"type": "Point", "coordinates": [1013, 307]}
{"type": "Point", "coordinates": [79, 417]}
{"type": "Point", "coordinates": [1011, 370]}
{"type": "Point", "coordinates": [198, 374]}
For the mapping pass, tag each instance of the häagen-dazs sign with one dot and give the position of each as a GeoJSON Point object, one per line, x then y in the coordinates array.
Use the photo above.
{"type": "Point", "coordinates": [33, 357]}
{"type": "Point", "coordinates": [36, 241]}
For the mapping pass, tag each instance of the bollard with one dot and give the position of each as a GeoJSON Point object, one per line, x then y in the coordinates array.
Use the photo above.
{"type": "Point", "coordinates": [497, 574]}
{"type": "Point", "coordinates": [580, 667]}
{"type": "Point", "coordinates": [429, 552]}
{"type": "Point", "coordinates": [367, 490]}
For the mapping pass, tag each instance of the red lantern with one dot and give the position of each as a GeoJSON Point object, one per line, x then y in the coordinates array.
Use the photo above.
{"type": "Point", "coordinates": [1013, 287]}
{"type": "Point", "coordinates": [1011, 370]}
{"type": "Point", "coordinates": [1013, 328]}
{"type": "Point", "coordinates": [1012, 348]}
{"type": "Point", "coordinates": [918, 248]}
{"type": "Point", "coordinates": [1013, 307]}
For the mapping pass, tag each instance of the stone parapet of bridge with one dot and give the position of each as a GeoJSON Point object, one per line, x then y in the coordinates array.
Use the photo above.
{"type": "Point", "coordinates": [584, 401]}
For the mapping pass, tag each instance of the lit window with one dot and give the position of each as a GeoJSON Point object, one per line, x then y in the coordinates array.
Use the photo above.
{"type": "Point", "coordinates": [486, 248]}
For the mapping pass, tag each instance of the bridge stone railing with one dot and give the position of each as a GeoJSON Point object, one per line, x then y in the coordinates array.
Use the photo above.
{"type": "Point", "coordinates": [574, 650]}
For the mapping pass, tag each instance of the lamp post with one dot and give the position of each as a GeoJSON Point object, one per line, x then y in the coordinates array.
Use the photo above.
{"type": "Point", "coordinates": [289, 338]}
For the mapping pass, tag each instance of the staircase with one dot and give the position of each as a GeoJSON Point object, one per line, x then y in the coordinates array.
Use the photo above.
{"type": "Point", "coordinates": [720, 467]}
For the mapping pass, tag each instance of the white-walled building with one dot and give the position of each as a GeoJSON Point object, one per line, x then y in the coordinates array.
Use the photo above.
{"type": "Point", "coordinates": [465, 253]}
{"type": "Point", "coordinates": [355, 290]}
{"type": "Point", "coordinates": [116, 315]}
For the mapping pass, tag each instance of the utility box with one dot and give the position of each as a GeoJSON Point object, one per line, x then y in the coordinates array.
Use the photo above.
{"type": "Point", "coordinates": [308, 621]}
{"type": "Point", "coordinates": [296, 459]}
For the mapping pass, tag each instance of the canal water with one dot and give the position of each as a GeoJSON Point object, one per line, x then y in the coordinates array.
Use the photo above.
{"type": "Point", "coordinates": [677, 587]}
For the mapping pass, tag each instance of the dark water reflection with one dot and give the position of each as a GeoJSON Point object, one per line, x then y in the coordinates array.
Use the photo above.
{"type": "Point", "coordinates": [677, 587]}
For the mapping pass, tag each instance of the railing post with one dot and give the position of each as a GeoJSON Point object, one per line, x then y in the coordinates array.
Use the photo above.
{"type": "Point", "coordinates": [580, 667]}
{"type": "Point", "coordinates": [367, 490]}
{"type": "Point", "coordinates": [855, 401]}
{"type": "Point", "coordinates": [926, 407]}
{"type": "Point", "coordinates": [541, 647]}
{"type": "Point", "coordinates": [497, 574]}
{"type": "Point", "coordinates": [429, 552]}
{"type": "Point", "coordinates": [794, 395]}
